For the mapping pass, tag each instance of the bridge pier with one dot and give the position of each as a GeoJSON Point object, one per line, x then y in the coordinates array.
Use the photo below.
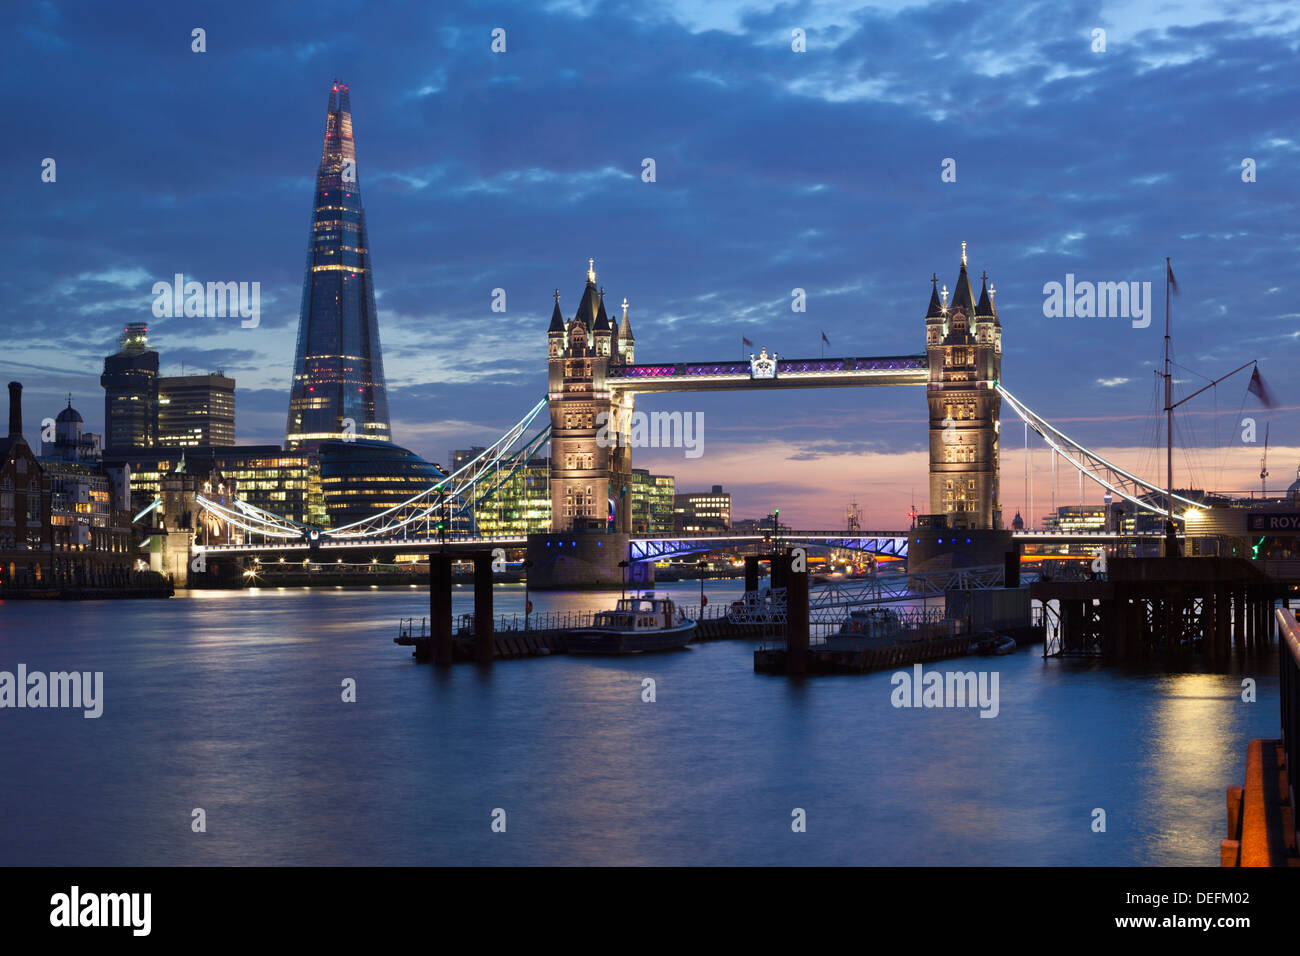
{"type": "Point", "coordinates": [440, 607]}
{"type": "Point", "coordinates": [941, 548]}
{"type": "Point", "coordinates": [576, 560]}
{"type": "Point", "coordinates": [441, 632]}
{"type": "Point", "coordinates": [796, 617]}
{"type": "Point", "coordinates": [483, 617]}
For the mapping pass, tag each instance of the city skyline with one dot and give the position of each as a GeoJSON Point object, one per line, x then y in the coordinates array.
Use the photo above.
{"type": "Point", "coordinates": [472, 184]}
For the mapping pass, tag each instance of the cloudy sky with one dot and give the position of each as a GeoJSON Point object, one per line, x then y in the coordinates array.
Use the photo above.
{"type": "Point", "coordinates": [775, 170]}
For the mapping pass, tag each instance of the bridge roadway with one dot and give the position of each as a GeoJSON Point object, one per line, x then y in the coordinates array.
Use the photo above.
{"type": "Point", "coordinates": [788, 373]}
{"type": "Point", "coordinates": [651, 547]}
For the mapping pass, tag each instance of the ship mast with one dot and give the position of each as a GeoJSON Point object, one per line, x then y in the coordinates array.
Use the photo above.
{"type": "Point", "coordinates": [1171, 534]}
{"type": "Point", "coordinates": [1171, 531]}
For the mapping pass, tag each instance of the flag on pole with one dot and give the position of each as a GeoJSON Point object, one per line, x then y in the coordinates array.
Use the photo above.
{"type": "Point", "coordinates": [745, 341]}
{"type": "Point", "coordinates": [1173, 283]}
{"type": "Point", "coordinates": [825, 339]}
{"type": "Point", "coordinates": [1259, 389]}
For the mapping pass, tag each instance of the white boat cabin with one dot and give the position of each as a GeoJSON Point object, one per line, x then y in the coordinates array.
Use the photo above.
{"type": "Point", "coordinates": [647, 613]}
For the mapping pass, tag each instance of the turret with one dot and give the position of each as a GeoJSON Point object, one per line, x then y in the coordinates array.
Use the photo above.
{"type": "Point", "coordinates": [601, 331]}
{"type": "Point", "coordinates": [555, 334]}
{"type": "Point", "coordinates": [936, 318]}
{"type": "Point", "coordinates": [625, 339]}
{"type": "Point", "coordinates": [987, 328]}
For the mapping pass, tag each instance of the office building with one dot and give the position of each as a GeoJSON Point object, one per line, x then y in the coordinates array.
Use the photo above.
{"type": "Point", "coordinates": [361, 478]}
{"type": "Point", "coordinates": [130, 381]}
{"type": "Point", "coordinates": [284, 483]}
{"type": "Point", "coordinates": [196, 410]}
{"type": "Point", "coordinates": [702, 511]}
{"type": "Point", "coordinates": [653, 501]}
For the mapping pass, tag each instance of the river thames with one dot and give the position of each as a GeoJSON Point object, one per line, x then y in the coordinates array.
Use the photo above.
{"type": "Point", "coordinates": [231, 702]}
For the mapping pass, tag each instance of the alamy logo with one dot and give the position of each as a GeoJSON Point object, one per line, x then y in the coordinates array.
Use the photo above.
{"type": "Point", "coordinates": [655, 430]}
{"type": "Point", "coordinates": [102, 909]}
{"type": "Point", "coordinates": [953, 689]}
{"type": "Point", "coordinates": [215, 301]}
{"type": "Point", "coordinates": [83, 689]}
{"type": "Point", "coordinates": [1086, 300]}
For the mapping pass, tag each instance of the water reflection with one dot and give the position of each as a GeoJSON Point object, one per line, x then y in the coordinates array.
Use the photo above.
{"type": "Point", "coordinates": [230, 701]}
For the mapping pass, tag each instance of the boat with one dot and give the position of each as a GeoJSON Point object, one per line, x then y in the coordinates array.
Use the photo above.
{"type": "Point", "coordinates": [871, 622]}
{"type": "Point", "coordinates": [637, 625]}
{"type": "Point", "coordinates": [995, 646]}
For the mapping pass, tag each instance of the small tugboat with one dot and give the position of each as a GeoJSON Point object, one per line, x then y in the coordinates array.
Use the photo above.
{"type": "Point", "coordinates": [635, 626]}
{"type": "Point", "coordinates": [994, 646]}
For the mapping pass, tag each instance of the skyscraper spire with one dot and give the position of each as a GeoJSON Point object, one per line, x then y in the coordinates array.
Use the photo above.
{"type": "Point", "coordinates": [338, 389]}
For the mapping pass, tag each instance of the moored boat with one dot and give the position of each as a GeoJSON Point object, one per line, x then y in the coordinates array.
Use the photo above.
{"type": "Point", "coordinates": [637, 625]}
{"type": "Point", "coordinates": [995, 646]}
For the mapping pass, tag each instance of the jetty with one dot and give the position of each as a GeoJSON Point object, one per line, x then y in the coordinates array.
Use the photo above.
{"type": "Point", "coordinates": [543, 634]}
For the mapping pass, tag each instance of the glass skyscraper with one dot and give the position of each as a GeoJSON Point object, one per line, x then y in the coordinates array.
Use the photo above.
{"type": "Point", "coordinates": [130, 383]}
{"type": "Point", "coordinates": [338, 389]}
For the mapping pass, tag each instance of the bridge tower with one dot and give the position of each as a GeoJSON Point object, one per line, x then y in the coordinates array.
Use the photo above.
{"type": "Point", "coordinates": [963, 340]}
{"type": "Point", "coordinates": [591, 463]}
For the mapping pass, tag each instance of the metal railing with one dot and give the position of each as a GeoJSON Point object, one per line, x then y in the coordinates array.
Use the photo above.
{"type": "Point", "coordinates": [1289, 691]}
{"type": "Point", "coordinates": [561, 620]}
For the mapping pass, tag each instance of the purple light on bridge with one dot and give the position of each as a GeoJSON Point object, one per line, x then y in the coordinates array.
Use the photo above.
{"type": "Point", "coordinates": [813, 366]}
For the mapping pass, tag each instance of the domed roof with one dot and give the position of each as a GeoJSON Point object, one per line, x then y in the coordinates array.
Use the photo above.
{"type": "Point", "coordinates": [69, 414]}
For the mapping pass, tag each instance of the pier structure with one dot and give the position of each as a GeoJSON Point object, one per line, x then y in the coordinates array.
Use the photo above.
{"type": "Point", "coordinates": [1141, 607]}
{"type": "Point", "coordinates": [439, 643]}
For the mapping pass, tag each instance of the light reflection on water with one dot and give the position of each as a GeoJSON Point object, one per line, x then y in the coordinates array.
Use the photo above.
{"type": "Point", "coordinates": [230, 701]}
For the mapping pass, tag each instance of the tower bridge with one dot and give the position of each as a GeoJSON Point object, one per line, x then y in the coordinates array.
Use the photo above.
{"type": "Point", "coordinates": [593, 380]}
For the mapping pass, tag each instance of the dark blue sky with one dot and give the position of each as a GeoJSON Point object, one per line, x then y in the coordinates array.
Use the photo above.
{"type": "Point", "coordinates": [775, 170]}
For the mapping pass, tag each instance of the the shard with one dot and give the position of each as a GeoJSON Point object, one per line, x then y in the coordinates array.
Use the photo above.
{"type": "Point", "coordinates": [338, 387]}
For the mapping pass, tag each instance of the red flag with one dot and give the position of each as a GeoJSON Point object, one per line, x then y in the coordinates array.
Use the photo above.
{"type": "Point", "coordinates": [825, 339]}
{"type": "Point", "coordinates": [1173, 283]}
{"type": "Point", "coordinates": [746, 341]}
{"type": "Point", "coordinates": [1259, 389]}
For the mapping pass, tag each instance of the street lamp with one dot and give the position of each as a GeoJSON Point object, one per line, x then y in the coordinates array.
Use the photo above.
{"type": "Point", "coordinates": [703, 600]}
{"type": "Point", "coordinates": [623, 565]}
{"type": "Point", "coordinates": [528, 605]}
